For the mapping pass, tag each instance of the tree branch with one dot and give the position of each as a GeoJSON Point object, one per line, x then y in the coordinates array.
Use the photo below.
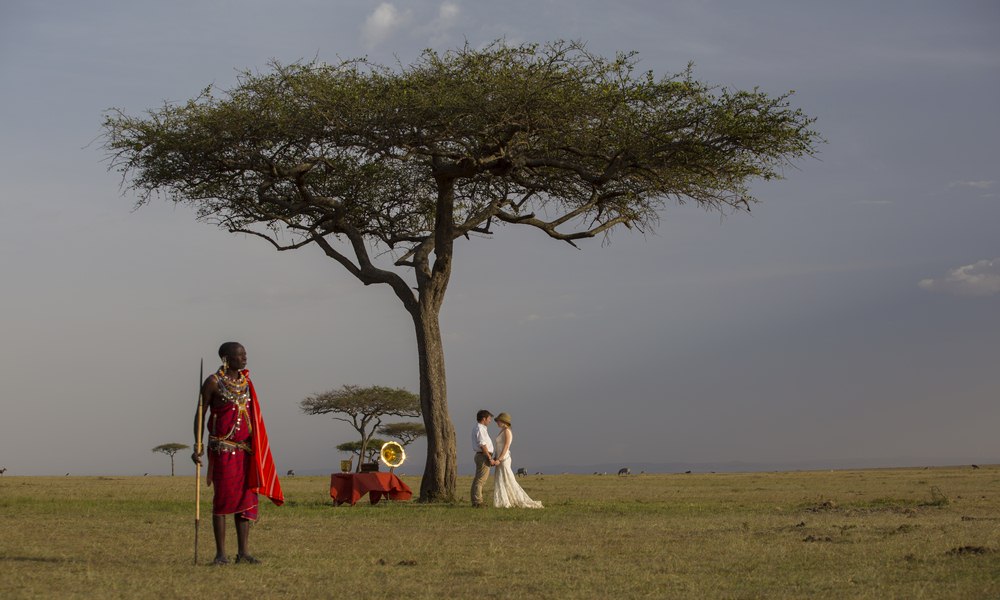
{"type": "Point", "coordinates": [274, 242]}
{"type": "Point", "coordinates": [368, 273]}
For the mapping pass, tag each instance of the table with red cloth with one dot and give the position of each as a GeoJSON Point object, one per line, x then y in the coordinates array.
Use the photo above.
{"type": "Point", "coordinates": [350, 487]}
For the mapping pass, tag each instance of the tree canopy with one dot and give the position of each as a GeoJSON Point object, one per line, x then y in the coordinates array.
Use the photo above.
{"type": "Point", "coordinates": [356, 149]}
{"type": "Point", "coordinates": [406, 433]}
{"type": "Point", "coordinates": [384, 168]}
{"type": "Point", "coordinates": [170, 450]}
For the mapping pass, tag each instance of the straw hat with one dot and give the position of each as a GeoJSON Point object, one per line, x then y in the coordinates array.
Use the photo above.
{"type": "Point", "coordinates": [503, 418]}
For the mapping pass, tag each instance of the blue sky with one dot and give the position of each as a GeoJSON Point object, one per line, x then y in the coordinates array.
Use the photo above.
{"type": "Point", "coordinates": [853, 316]}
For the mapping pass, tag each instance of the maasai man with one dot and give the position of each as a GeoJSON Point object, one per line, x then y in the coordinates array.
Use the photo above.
{"type": "Point", "coordinates": [239, 458]}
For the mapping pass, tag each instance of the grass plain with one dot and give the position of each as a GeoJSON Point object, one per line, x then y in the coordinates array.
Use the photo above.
{"type": "Point", "coordinates": [892, 533]}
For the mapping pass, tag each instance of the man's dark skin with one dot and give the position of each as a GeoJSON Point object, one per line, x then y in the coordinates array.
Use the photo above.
{"type": "Point", "coordinates": [236, 360]}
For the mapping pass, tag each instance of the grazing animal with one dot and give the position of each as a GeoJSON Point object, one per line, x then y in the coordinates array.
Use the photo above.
{"type": "Point", "coordinates": [975, 466]}
{"type": "Point", "coordinates": [3, 470]}
{"type": "Point", "coordinates": [291, 472]}
{"type": "Point", "coordinates": [624, 472]}
{"type": "Point", "coordinates": [144, 474]}
{"type": "Point", "coordinates": [522, 472]}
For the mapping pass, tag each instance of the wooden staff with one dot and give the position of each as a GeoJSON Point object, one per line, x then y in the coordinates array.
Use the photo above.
{"type": "Point", "coordinates": [197, 475]}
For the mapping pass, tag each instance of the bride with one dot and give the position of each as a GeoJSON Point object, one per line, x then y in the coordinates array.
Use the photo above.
{"type": "Point", "coordinates": [506, 491]}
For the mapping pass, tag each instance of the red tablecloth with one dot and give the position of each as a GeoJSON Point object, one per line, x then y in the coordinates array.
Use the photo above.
{"type": "Point", "coordinates": [350, 487]}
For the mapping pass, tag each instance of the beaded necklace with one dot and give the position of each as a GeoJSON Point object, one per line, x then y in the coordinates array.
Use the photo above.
{"type": "Point", "coordinates": [238, 393]}
{"type": "Point", "coordinates": [233, 391]}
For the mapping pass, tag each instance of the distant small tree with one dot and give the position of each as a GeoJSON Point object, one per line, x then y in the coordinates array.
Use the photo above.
{"type": "Point", "coordinates": [404, 432]}
{"type": "Point", "coordinates": [170, 450]}
{"type": "Point", "coordinates": [370, 453]}
{"type": "Point", "coordinates": [363, 408]}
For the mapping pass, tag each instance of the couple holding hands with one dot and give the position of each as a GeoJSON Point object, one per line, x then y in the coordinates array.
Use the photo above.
{"type": "Point", "coordinates": [496, 453]}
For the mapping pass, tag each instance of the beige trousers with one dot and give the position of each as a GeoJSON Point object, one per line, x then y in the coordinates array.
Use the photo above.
{"type": "Point", "coordinates": [482, 474]}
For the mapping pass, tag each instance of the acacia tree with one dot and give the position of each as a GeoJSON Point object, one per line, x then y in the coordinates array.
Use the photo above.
{"type": "Point", "coordinates": [363, 408]}
{"type": "Point", "coordinates": [406, 433]}
{"type": "Point", "coordinates": [384, 168]}
{"type": "Point", "coordinates": [170, 450]}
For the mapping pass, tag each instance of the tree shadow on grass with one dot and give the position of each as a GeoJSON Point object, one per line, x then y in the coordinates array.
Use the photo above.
{"type": "Point", "coordinates": [39, 559]}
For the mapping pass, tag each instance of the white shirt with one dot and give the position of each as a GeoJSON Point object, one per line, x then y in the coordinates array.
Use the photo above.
{"type": "Point", "coordinates": [480, 438]}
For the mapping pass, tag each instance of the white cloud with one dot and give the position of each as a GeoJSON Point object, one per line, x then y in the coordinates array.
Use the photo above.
{"type": "Point", "coordinates": [447, 14]}
{"type": "Point", "coordinates": [979, 185]}
{"type": "Point", "coordinates": [388, 21]}
{"type": "Point", "coordinates": [382, 23]}
{"type": "Point", "coordinates": [978, 279]}
{"type": "Point", "coordinates": [440, 27]}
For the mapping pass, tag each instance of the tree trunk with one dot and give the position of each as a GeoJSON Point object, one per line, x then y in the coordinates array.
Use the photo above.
{"type": "Point", "coordinates": [441, 468]}
{"type": "Point", "coordinates": [171, 465]}
{"type": "Point", "coordinates": [361, 450]}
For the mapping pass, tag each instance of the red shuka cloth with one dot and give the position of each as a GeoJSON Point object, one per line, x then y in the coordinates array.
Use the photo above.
{"type": "Point", "coordinates": [228, 473]}
{"type": "Point", "coordinates": [239, 476]}
{"type": "Point", "coordinates": [263, 477]}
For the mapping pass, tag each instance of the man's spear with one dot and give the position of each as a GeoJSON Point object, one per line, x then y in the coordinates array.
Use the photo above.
{"type": "Point", "coordinates": [197, 475]}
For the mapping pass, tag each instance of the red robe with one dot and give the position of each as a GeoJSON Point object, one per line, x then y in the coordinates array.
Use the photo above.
{"type": "Point", "coordinates": [238, 476]}
{"type": "Point", "coordinates": [264, 477]}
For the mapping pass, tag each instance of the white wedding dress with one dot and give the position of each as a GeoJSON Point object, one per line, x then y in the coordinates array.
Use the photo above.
{"type": "Point", "coordinates": [507, 493]}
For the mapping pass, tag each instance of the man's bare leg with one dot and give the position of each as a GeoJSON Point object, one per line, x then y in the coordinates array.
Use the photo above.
{"type": "Point", "coordinates": [242, 533]}
{"type": "Point", "coordinates": [219, 529]}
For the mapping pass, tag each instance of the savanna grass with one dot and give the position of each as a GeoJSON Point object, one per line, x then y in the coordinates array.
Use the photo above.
{"type": "Point", "coordinates": [901, 533]}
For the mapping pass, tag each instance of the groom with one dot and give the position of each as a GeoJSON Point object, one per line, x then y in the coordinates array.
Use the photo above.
{"type": "Point", "coordinates": [483, 447]}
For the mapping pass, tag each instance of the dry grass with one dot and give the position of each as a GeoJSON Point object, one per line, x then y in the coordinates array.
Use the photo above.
{"type": "Point", "coordinates": [904, 533]}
